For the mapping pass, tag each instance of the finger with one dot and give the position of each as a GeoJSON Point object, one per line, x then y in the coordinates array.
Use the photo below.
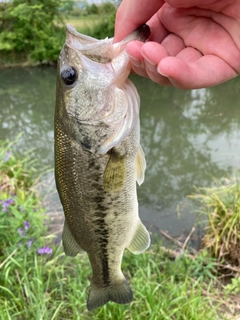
{"type": "Point", "coordinates": [173, 44]}
{"type": "Point", "coordinates": [158, 31]}
{"type": "Point", "coordinates": [228, 22]}
{"type": "Point", "coordinates": [133, 49]}
{"type": "Point", "coordinates": [144, 59]}
{"type": "Point", "coordinates": [145, 71]}
{"type": "Point", "coordinates": [197, 3]}
{"type": "Point", "coordinates": [189, 55]}
{"type": "Point", "coordinates": [151, 51]}
{"type": "Point", "coordinates": [204, 72]}
{"type": "Point", "coordinates": [131, 14]}
{"type": "Point", "coordinates": [204, 34]}
{"type": "Point", "coordinates": [157, 77]}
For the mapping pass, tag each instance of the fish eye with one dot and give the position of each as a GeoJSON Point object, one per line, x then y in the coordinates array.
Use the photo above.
{"type": "Point", "coordinates": [69, 75]}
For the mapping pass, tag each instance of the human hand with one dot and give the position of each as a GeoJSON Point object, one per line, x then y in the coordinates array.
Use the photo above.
{"type": "Point", "coordinates": [193, 43]}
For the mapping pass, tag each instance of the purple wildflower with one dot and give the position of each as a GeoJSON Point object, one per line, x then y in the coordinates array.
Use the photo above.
{"type": "Point", "coordinates": [26, 225]}
{"type": "Point", "coordinates": [8, 201]}
{"type": "Point", "coordinates": [21, 232]}
{"type": "Point", "coordinates": [29, 243]}
{"type": "Point", "coordinates": [8, 154]}
{"type": "Point", "coordinates": [6, 204]}
{"type": "Point", "coordinates": [44, 250]}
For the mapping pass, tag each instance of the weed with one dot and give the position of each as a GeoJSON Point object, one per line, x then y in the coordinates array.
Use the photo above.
{"type": "Point", "coordinates": [221, 205]}
{"type": "Point", "coordinates": [233, 287]}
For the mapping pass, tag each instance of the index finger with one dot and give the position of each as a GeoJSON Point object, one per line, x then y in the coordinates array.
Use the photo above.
{"type": "Point", "coordinates": [131, 14]}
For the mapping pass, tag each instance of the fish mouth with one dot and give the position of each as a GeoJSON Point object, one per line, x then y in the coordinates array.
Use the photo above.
{"type": "Point", "coordinates": [108, 63]}
{"type": "Point", "coordinates": [102, 51]}
{"type": "Point", "coordinates": [96, 50]}
{"type": "Point", "coordinates": [102, 56]}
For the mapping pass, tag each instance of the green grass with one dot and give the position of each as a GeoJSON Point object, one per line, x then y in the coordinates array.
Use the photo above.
{"type": "Point", "coordinates": [96, 26]}
{"type": "Point", "coordinates": [84, 22]}
{"type": "Point", "coordinates": [53, 286]}
{"type": "Point", "coordinates": [56, 287]}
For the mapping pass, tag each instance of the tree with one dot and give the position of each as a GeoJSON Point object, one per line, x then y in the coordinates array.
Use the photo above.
{"type": "Point", "coordinates": [107, 8]}
{"type": "Point", "coordinates": [92, 9]}
{"type": "Point", "coordinates": [31, 30]}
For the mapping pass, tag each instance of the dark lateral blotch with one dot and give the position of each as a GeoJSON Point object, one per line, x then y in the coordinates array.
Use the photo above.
{"type": "Point", "coordinates": [86, 144]}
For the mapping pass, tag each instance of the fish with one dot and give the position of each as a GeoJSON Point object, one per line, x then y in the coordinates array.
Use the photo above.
{"type": "Point", "coordinates": [99, 159]}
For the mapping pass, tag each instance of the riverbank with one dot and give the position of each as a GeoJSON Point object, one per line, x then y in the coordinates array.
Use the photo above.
{"type": "Point", "coordinates": [34, 43]}
{"type": "Point", "coordinates": [98, 27]}
{"type": "Point", "coordinates": [37, 280]}
{"type": "Point", "coordinates": [27, 64]}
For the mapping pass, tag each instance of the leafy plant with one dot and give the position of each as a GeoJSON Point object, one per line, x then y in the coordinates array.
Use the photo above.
{"type": "Point", "coordinates": [104, 29]}
{"type": "Point", "coordinates": [32, 30]}
{"type": "Point", "coordinates": [233, 287]}
{"type": "Point", "coordinates": [21, 214]}
{"type": "Point", "coordinates": [203, 267]}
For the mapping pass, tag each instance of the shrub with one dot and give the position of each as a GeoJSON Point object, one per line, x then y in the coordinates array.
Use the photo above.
{"type": "Point", "coordinates": [32, 30]}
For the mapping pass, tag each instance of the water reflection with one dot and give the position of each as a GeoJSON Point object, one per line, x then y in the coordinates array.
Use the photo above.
{"type": "Point", "coordinates": [181, 133]}
{"type": "Point", "coordinates": [188, 136]}
{"type": "Point", "coordinates": [27, 105]}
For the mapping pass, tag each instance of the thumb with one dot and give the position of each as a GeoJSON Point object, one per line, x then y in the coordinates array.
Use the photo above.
{"type": "Point", "coordinates": [133, 13]}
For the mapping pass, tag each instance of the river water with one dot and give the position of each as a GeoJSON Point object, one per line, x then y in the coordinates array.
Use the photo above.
{"type": "Point", "coordinates": [189, 138]}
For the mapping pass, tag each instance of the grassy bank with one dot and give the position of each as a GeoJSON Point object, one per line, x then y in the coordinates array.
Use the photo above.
{"type": "Point", "coordinates": [37, 281]}
{"type": "Point", "coordinates": [96, 26]}
{"type": "Point", "coordinates": [84, 22]}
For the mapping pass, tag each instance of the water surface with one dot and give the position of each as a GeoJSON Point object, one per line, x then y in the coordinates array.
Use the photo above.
{"type": "Point", "coordinates": [189, 137]}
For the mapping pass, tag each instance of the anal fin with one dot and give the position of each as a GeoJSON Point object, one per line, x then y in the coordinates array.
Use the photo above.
{"type": "Point", "coordinates": [140, 240]}
{"type": "Point", "coordinates": [70, 246]}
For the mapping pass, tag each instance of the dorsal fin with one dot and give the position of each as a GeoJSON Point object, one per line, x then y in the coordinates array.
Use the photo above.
{"type": "Point", "coordinates": [115, 173]}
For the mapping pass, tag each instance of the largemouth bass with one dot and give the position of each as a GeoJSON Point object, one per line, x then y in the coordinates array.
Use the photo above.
{"type": "Point", "coordinates": [98, 159]}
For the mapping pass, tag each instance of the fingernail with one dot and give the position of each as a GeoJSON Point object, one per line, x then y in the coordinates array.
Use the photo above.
{"type": "Point", "coordinates": [135, 62]}
{"type": "Point", "coordinates": [150, 65]}
{"type": "Point", "coordinates": [160, 72]}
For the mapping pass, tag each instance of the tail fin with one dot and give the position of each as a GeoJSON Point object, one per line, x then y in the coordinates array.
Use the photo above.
{"type": "Point", "coordinates": [120, 293]}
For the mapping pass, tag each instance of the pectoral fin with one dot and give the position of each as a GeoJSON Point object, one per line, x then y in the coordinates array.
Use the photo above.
{"type": "Point", "coordinates": [70, 246]}
{"type": "Point", "coordinates": [140, 165]}
{"type": "Point", "coordinates": [115, 173]}
{"type": "Point", "coordinates": [141, 239]}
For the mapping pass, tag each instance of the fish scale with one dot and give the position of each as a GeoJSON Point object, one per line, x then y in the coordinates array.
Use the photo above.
{"type": "Point", "coordinates": [98, 159]}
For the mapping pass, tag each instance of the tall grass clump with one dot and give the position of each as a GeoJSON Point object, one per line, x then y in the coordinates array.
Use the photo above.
{"type": "Point", "coordinates": [221, 205]}
{"type": "Point", "coordinates": [37, 280]}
